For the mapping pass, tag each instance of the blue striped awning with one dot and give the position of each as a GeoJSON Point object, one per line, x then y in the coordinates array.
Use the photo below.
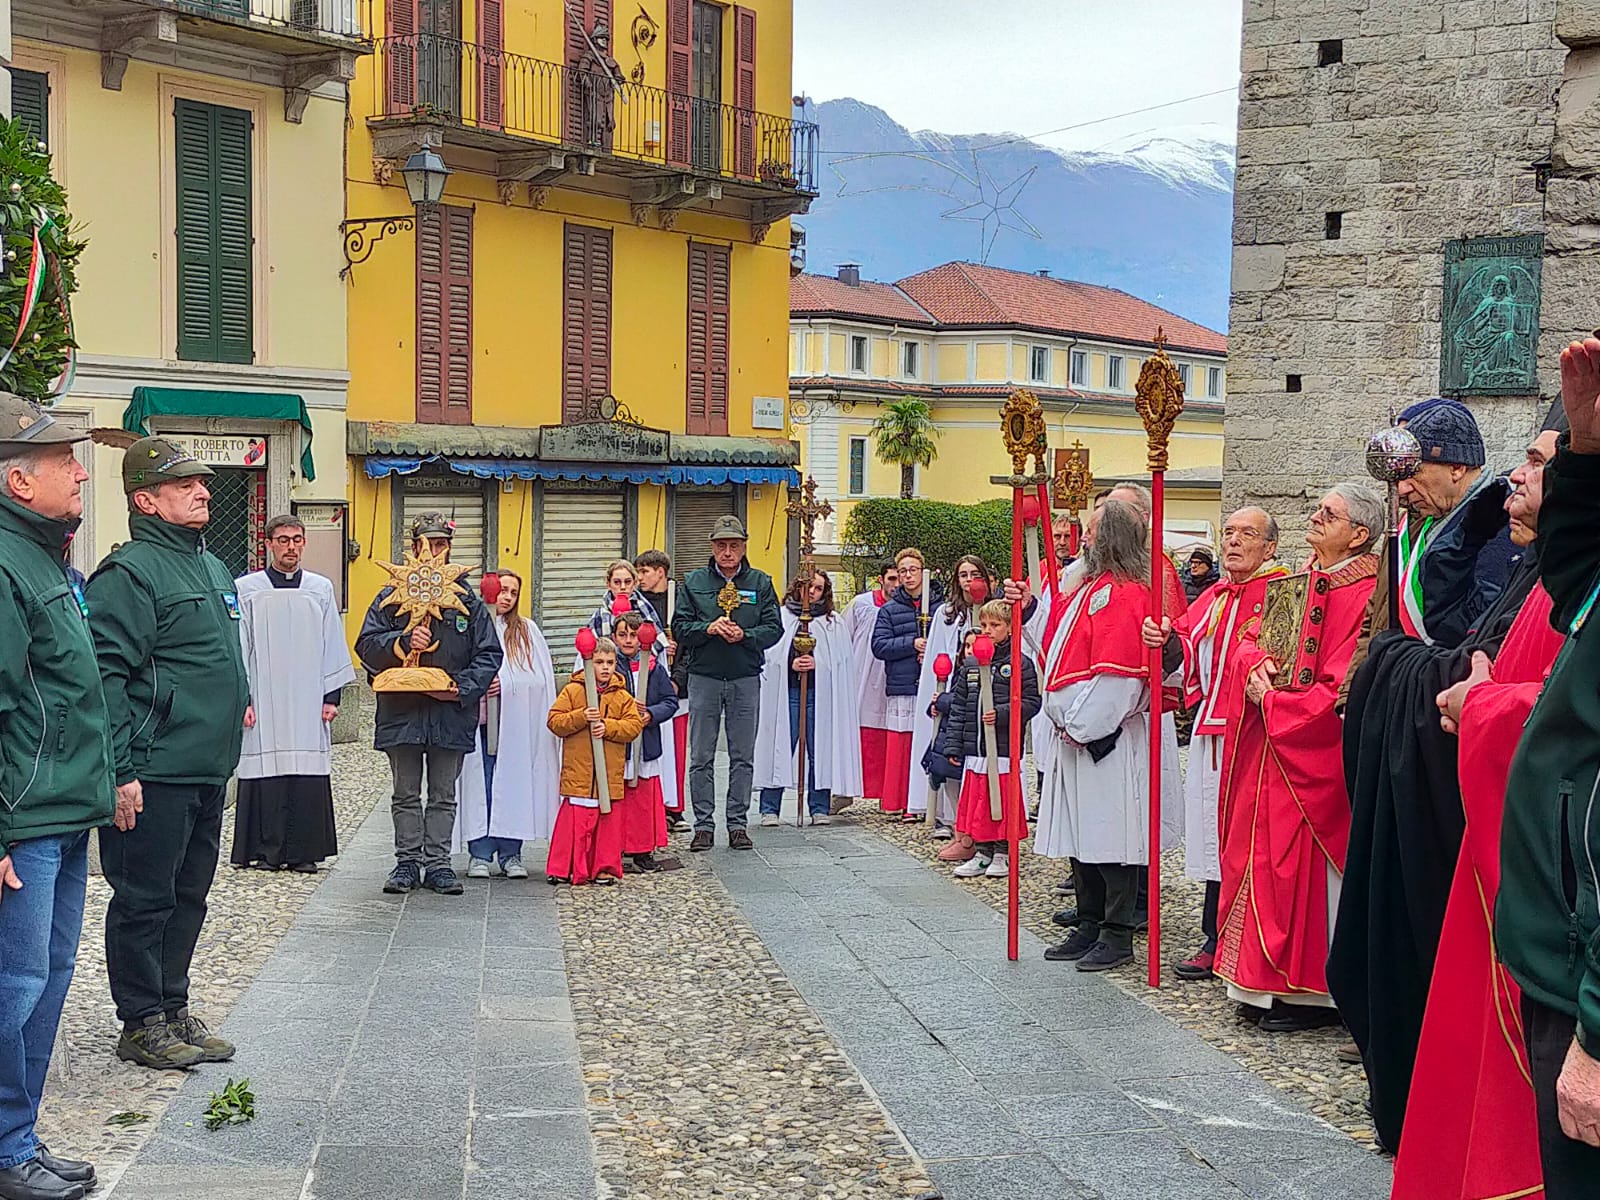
{"type": "Point", "coordinates": [380, 466]}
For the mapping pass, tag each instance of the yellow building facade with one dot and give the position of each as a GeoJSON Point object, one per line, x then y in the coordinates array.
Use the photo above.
{"type": "Point", "coordinates": [962, 337]}
{"type": "Point", "coordinates": [202, 150]}
{"type": "Point", "coordinates": [582, 352]}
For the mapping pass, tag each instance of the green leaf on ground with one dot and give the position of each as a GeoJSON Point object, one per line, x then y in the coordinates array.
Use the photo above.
{"type": "Point", "coordinates": [127, 1117]}
{"type": "Point", "coordinates": [233, 1105]}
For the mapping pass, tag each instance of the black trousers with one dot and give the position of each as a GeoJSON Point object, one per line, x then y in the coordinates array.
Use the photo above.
{"type": "Point", "coordinates": [1571, 1168]}
{"type": "Point", "coordinates": [1108, 894]}
{"type": "Point", "coordinates": [160, 873]}
{"type": "Point", "coordinates": [1208, 913]}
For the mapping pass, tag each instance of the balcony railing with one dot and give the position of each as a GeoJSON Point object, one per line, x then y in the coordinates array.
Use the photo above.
{"type": "Point", "coordinates": [332, 18]}
{"type": "Point", "coordinates": [475, 87]}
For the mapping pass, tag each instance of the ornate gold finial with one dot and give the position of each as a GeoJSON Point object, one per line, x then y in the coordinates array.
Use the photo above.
{"type": "Point", "coordinates": [1159, 401]}
{"type": "Point", "coordinates": [425, 587]}
{"type": "Point", "coordinates": [804, 508]}
{"type": "Point", "coordinates": [728, 598]}
{"type": "Point", "coordinates": [1074, 481]}
{"type": "Point", "coordinates": [1022, 426]}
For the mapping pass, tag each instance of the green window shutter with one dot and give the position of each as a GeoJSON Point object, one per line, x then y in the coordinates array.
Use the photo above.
{"type": "Point", "coordinates": [215, 238]}
{"type": "Point", "coordinates": [30, 102]}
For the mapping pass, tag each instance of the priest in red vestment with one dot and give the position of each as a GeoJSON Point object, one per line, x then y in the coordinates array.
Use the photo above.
{"type": "Point", "coordinates": [1471, 1129]}
{"type": "Point", "coordinates": [1284, 811]}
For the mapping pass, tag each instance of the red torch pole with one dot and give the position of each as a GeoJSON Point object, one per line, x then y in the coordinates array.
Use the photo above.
{"type": "Point", "coordinates": [1019, 570]}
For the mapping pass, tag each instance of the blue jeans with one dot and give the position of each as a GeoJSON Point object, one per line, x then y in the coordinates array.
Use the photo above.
{"type": "Point", "coordinates": [821, 798]}
{"type": "Point", "coordinates": [487, 847]}
{"type": "Point", "coordinates": [39, 928]}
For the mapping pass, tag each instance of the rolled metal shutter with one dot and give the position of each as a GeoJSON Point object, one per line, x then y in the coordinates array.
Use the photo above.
{"type": "Point", "coordinates": [694, 512]}
{"type": "Point", "coordinates": [582, 535]}
{"type": "Point", "coordinates": [464, 506]}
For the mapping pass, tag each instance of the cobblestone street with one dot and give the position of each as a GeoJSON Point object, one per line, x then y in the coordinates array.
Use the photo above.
{"type": "Point", "coordinates": [825, 1018]}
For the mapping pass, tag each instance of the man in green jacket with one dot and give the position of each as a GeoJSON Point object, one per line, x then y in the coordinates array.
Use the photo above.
{"type": "Point", "coordinates": [165, 618]}
{"type": "Point", "coordinates": [1547, 918]}
{"type": "Point", "coordinates": [725, 644]}
{"type": "Point", "coordinates": [55, 780]}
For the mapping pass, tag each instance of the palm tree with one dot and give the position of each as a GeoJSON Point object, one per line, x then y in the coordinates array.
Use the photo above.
{"type": "Point", "coordinates": [905, 435]}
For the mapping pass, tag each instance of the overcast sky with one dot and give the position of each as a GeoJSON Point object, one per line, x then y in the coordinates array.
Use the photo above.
{"type": "Point", "coordinates": [1023, 66]}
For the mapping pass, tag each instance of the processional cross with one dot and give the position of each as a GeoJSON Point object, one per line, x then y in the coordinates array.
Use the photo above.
{"type": "Point", "coordinates": [805, 509]}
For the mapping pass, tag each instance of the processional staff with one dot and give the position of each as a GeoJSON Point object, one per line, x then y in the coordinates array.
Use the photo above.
{"type": "Point", "coordinates": [805, 509]}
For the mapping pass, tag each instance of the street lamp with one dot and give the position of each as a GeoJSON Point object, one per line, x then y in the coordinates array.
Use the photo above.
{"type": "Point", "coordinates": [425, 175]}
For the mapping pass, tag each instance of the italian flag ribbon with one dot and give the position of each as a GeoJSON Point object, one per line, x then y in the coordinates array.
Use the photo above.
{"type": "Point", "coordinates": [1412, 544]}
{"type": "Point", "coordinates": [34, 287]}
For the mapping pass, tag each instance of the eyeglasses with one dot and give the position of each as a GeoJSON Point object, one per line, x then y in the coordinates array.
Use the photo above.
{"type": "Point", "coordinates": [289, 539]}
{"type": "Point", "coordinates": [1243, 535]}
{"type": "Point", "coordinates": [1327, 514]}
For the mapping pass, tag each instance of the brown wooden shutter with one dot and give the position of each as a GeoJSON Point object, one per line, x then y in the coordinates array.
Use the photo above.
{"type": "Point", "coordinates": [680, 116]}
{"type": "Point", "coordinates": [708, 340]}
{"type": "Point", "coordinates": [400, 54]}
{"type": "Point", "coordinates": [491, 63]}
{"type": "Point", "coordinates": [585, 319]}
{"type": "Point", "coordinates": [744, 65]}
{"type": "Point", "coordinates": [444, 316]}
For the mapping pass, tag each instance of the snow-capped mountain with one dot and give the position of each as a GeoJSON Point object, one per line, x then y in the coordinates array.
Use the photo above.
{"type": "Point", "coordinates": [1150, 214]}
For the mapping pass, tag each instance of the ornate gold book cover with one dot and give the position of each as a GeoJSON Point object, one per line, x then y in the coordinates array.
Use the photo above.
{"type": "Point", "coordinates": [1281, 617]}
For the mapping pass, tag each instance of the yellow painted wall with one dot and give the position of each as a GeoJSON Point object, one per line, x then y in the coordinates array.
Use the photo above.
{"type": "Point", "coordinates": [992, 362]}
{"type": "Point", "coordinates": [882, 360]}
{"type": "Point", "coordinates": [950, 362]}
{"type": "Point", "coordinates": [815, 344]}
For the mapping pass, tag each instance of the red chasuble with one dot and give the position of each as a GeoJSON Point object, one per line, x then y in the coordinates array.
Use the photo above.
{"type": "Point", "coordinates": [1470, 1130]}
{"type": "Point", "coordinates": [1284, 811]}
{"type": "Point", "coordinates": [1221, 611]}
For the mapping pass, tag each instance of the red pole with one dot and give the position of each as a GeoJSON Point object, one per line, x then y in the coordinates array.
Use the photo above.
{"type": "Point", "coordinates": [1075, 532]}
{"type": "Point", "coordinates": [1052, 578]}
{"type": "Point", "coordinates": [1014, 878]}
{"type": "Point", "coordinates": [1158, 588]}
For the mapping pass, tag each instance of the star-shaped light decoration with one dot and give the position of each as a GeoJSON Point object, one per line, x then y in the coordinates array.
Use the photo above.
{"type": "Point", "coordinates": [425, 587]}
{"type": "Point", "coordinates": [995, 207]}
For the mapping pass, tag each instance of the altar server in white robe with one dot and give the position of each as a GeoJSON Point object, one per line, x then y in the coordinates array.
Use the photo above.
{"type": "Point", "coordinates": [1095, 805]}
{"type": "Point", "coordinates": [297, 660]}
{"type": "Point", "coordinates": [511, 797]}
{"type": "Point", "coordinates": [871, 699]}
{"type": "Point", "coordinates": [833, 731]}
{"type": "Point", "coordinates": [952, 620]}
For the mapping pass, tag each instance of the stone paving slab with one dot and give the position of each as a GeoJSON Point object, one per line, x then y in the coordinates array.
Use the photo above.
{"type": "Point", "coordinates": [419, 1047]}
{"type": "Point", "coordinates": [1026, 1080]}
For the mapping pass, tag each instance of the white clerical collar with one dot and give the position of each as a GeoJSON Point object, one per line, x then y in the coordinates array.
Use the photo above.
{"type": "Point", "coordinates": [1343, 562]}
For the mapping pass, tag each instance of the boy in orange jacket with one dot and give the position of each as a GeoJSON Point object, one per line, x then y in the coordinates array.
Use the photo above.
{"type": "Point", "coordinates": [586, 844]}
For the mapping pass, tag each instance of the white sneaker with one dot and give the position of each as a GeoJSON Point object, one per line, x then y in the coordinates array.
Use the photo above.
{"type": "Point", "coordinates": [513, 868]}
{"type": "Point", "coordinates": [478, 868]}
{"type": "Point", "coordinates": [770, 820]}
{"type": "Point", "coordinates": [999, 867]}
{"type": "Point", "coordinates": [822, 819]}
{"type": "Point", "coordinates": [973, 867]}
{"type": "Point", "coordinates": [943, 833]}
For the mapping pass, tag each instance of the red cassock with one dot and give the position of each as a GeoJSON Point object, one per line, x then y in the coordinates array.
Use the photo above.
{"type": "Point", "coordinates": [1221, 612]}
{"type": "Point", "coordinates": [1284, 811]}
{"type": "Point", "coordinates": [1470, 1130]}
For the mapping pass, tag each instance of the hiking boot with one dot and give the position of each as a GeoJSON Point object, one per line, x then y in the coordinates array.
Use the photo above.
{"type": "Point", "coordinates": [443, 882]}
{"type": "Point", "coordinates": [1201, 966]}
{"type": "Point", "coordinates": [1103, 957]}
{"type": "Point", "coordinates": [73, 1170]}
{"type": "Point", "coordinates": [406, 877]}
{"type": "Point", "coordinates": [193, 1030]}
{"type": "Point", "coordinates": [1074, 948]}
{"type": "Point", "coordinates": [739, 839]}
{"type": "Point", "coordinates": [512, 868]}
{"type": "Point", "coordinates": [156, 1046]}
{"type": "Point", "coordinates": [703, 839]}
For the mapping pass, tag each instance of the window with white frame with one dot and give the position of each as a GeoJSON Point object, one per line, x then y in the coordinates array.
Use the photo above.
{"type": "Point", "coordinates": [911, 360]}
{"type": "Point", "coordinates": [1116, 373]}
{"type": "Point", "coordinates": [858, 354]}
{"type": "Point", "coordinates": [1213, 381]}
{"type": "Point", "coordinates": [1078, 373]}
{"type": "Point", "coordinates": [1186, 373]}
{"type": "Point", "coordinates": [858, 466]}
{"type": "Point", "coordinates": [1039, 364]}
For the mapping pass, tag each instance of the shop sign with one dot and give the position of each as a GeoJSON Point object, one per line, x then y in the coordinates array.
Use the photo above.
{"type": "Point", "coordinates": [603, 442]}
{"type": "Point", "coordinates": [224, 450]}
{"type": "Point", "coordinates": [766, 412]}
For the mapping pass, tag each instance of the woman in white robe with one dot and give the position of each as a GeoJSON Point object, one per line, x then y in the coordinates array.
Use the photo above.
{"type": "Point", "coordinates": [833, 746]}
{"type": "Point", "coordinates": [513, 796]}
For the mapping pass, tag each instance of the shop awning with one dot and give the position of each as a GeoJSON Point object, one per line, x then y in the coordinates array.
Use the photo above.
{"type": "Point", "coordinates": [150, 402]}
{"type": "Point", "coordinates": [379, 466]}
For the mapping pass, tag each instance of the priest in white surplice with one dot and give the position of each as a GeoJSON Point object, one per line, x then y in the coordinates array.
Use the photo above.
{"type": "Point", "coordinates": [860, 618]}
{"type": "Point", "coordinates": [1095, 804]}
{"type": "Point", "coordinates": [511, 796]}
{"type": "Point", "coordinates": [297, 661]}
{"type": "Point", "coordinates": [833, 732]}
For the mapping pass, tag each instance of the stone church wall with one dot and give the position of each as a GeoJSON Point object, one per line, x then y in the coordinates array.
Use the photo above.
{"type": "Point", "coordinates": [1429, 120]}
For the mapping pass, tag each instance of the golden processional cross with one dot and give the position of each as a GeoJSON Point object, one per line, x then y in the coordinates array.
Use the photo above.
{"type": "Point", "coordinates": [805, 509]}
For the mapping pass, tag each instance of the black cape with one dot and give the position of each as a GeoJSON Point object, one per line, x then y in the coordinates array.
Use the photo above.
{"type": "Point", "coordinates": [1406, 826]}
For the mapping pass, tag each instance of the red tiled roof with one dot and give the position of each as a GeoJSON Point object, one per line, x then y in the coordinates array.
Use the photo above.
{"type": "Point", "coordinates": [818, 294]}
{"type": "Point", "coordinates": [965, 294]}
{"type": "Point", "coordinates": [960, 391]}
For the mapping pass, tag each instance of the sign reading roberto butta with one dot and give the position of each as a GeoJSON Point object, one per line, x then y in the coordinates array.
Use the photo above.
{"type": "Point", "coordinates": [223, 450]}
{"type": "Point", "coordinates": [1489, 321]}
{"type": "Point", "coordinates": [603, 441]}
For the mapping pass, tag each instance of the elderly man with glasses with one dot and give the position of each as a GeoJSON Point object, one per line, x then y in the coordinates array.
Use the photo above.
{"type": "Point", "coordinates": [295, 654]}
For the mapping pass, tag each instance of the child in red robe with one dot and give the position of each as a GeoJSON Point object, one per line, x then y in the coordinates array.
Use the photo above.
{"type": "Point", "coordinates": [644, 823]}
{"type": "Point", "coordinates": [586, 844]}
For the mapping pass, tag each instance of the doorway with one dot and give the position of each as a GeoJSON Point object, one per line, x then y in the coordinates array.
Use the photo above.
{"type": "Point", "coordinates": [705, 88]}
{"type": "Point", "coordinates": [237, 531]}
{"type": "Point", "coordinates": [439, 55]}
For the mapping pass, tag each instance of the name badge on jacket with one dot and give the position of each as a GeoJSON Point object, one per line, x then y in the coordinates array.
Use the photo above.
{"type": "Point", "coordinates": [746, 597]}
{"type": "Point", "coordinates": [231, 599]}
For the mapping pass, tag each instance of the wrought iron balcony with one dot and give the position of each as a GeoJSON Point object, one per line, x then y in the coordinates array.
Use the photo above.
{"type": "Point", "coordinates": [508, 103]}
{"type": "Point", "coordinates": [329, 18]}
